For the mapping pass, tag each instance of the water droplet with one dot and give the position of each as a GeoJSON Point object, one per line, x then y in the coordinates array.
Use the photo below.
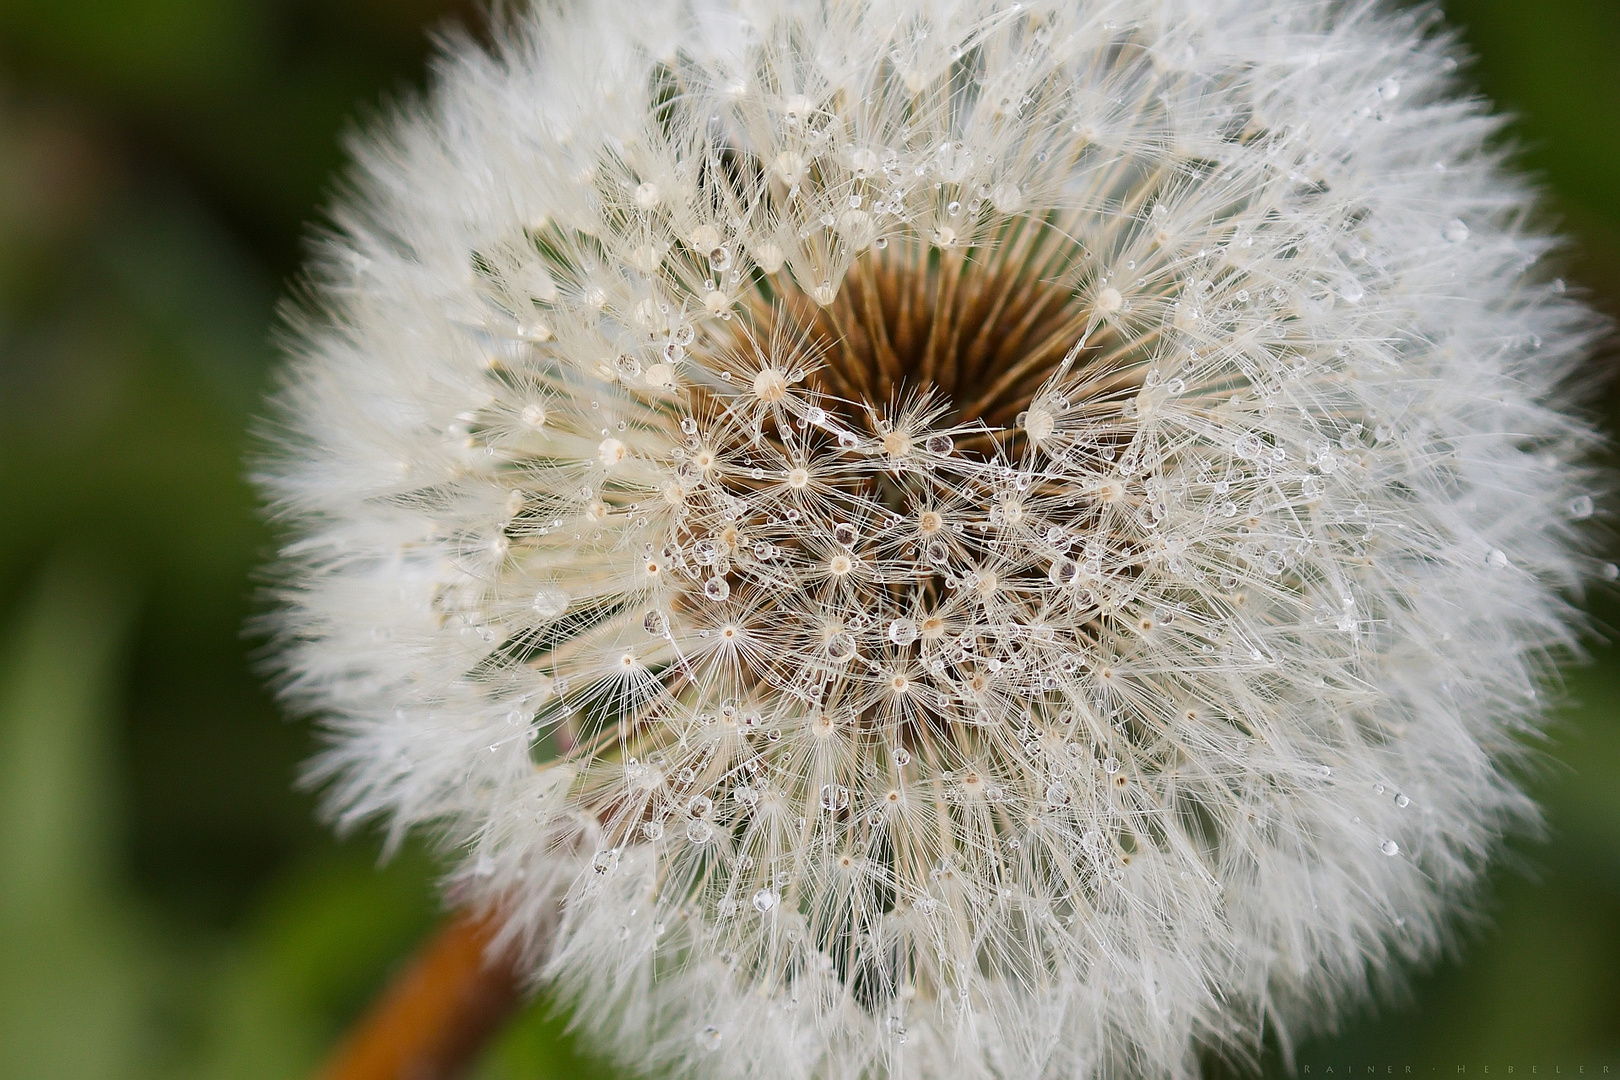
{"type": "Point", "coordinates": [1402, 801]}
{"type": "Point", "coordinates": [550, 602]}
{"type": "Point", "coordinates": [1580, 508]}
{"type": "Point", "coordinates": [902, 757]}
{"type": "Point", "coordinates": [939, 444]}
{"type": "Point", "coordinates": [655, 623]}
{"type": "Point", "coordinates": [653, 830]}
{"type": "Point", "coordinates": [834, 797]}
{"type": "Point", "coordinates": [1006, 198]}
{"type": "Point", "coordinates": [627, 366]}
{"type": "Point", "coordinates": [716, 589]}
{"type": "Point", "coordinates": [926, 905]}
{"type": "Point", "coordinates": [1389, 89]}
{"type": "Point", "coordinates": [1390, 847]}
{"type": "Point", "coordinates": [903, 631]}
{"type": "Point", "coordinates": [765, 900]}
{"type": "Point", "coordinates": [709, 1038]}
{"type": "Point", "coordinates": [1038, 423]}
{"type": "Point", "coordinates": [700, 805]}
{"type": "Point", "coordinates": [1057, 793]}
{"type": "Point", "coordinates": [1323, 771]}
{"type": "Point", "coordinates": [1455, 232]}
{"type": "Point", "coordinates": [844, 533]}
{"type": "Point", "coordinates": [841, 647]}
{"type": "Point", "coordinates": [699, 831]}
{"type": "Point", "coordinates": [1497, 559]}
{"type": "Point", "coordinates": [1110, 765]}
{"type": "Point", "coordinates": [603, 861]}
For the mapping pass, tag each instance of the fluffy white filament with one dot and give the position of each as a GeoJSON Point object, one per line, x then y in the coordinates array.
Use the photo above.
{"type": "Point", "coordinates": [954, 538]}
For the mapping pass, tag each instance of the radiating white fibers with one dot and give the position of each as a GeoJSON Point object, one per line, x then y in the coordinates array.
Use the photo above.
{"type": "Point", "coordinates": [988, 540]}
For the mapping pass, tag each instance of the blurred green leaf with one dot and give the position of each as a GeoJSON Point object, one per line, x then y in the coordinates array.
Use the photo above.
{"type": "Point", "coordinates": [323, 945]}
{"type": "Point", "coordinates": [73, 958]}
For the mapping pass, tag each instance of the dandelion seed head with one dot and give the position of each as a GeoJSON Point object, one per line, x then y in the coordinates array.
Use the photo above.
{"type": "Point", "coordinates": [975, 506]}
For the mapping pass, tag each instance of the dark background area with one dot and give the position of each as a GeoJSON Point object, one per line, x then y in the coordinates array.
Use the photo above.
{"type": "Point", "coordinates": [169, 907]}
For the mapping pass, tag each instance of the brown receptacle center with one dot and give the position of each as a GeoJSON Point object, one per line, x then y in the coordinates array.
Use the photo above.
{"type": "Point", "coordinates": [979, 328]}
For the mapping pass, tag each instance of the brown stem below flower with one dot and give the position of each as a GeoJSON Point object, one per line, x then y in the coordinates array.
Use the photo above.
{"type": "Point", "coordinates": [437, 1015]}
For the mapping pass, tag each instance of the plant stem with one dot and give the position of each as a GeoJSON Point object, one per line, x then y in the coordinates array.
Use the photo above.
{"type": "Point", "coordinates": [438, 1013]}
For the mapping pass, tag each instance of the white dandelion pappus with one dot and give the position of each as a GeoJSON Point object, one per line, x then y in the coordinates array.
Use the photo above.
{"type": "Point", "coordinates": [951, 538]}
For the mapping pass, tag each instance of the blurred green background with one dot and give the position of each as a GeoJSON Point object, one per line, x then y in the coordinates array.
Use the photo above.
{"type": "Point", "coordinates": [168, 906]}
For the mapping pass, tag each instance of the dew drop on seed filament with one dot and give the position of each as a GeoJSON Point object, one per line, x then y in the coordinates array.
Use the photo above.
{"type": "Point", "coordinates": [764, 900]}
{"type": "Point", "coordinates": [939, 444]}
{"type": "Point", "coordinates": [844, 533]}
{"type": "Point", "coordinates": [1402, 801]}
{"type": "Point", "coordinates": [653, 830]}
{"type": "Point", "coordinates": [834, 797]}
{"type": "Point", "coordinates": [709, 1038]}
{"type": "Point", "coordinates": [655, 623]}
{"type": "Point", "coordinates": [1580, 507]}
{"type": "Point", "coordinates": [699, 831]}
{"type": "Point", "coordinates": [841, 647]}
{"type": "Point", "coordinates": [902, 757]}
{"type": "Point", "coordinates": [550, 602]}
{"type": "Point", "coordinates": [716, 589]}
{"type": "Point", "coordinates": [1390, 847]}
{"type": "Point", "coordinates": [1455, 231]}
{"type": "Point", "coordinates": [903, 631]}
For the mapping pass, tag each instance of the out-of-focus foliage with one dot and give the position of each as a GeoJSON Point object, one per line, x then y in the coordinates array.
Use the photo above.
{"type": "Point", "coordinates": [168, 905]}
